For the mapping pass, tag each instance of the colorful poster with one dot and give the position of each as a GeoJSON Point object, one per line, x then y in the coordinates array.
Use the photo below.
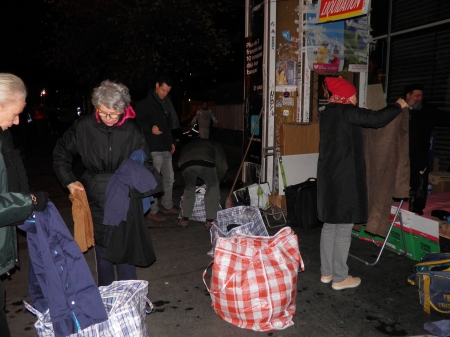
{"type": "Point", "coordinates": [285, 73]}
{"type": "Point", "coordinates": [356, 41]}
{"type": "Point", "coordinates": [337, 46]}
{"type": "Point", "coordinates": [324, 45]}
{"type": "Point", "coordinates": [333, 10]}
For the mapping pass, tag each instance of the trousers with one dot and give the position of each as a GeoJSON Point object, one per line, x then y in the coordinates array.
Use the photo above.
{"type": "Point", "coordinates": [335, 242]}
{"type": "Point", "coordinates": [162, 161]}
{"type": "Point", "coordinates": [204, 132]}
{"type": "Point", "coordinates": [212, 195]}
{"type": "Point", "coordinates": [105, 269]}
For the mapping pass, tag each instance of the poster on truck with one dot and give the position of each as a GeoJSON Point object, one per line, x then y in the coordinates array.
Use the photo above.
{"type": "Point", "coordinates": [338, 45]}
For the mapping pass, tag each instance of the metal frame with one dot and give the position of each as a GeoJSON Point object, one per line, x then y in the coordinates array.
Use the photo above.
{"type": "Point", "coordinates": [398, 214]}
{"type": "Point", "coordinates": [274, 211]}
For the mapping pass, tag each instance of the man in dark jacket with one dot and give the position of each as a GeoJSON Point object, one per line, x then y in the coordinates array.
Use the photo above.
{"type": "Point", "coordinates": [155, 116]}
{"type": "Point", "coordinates": [205, 159]}
{"type": "Point", "coordinates": [423, 118]}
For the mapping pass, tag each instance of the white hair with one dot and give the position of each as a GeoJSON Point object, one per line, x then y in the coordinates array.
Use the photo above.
{"type": "Point", "coordinates": [11, 87]}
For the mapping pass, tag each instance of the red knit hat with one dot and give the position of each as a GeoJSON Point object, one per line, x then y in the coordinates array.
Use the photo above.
{"type": "Point", "coordinates": [340, 87]}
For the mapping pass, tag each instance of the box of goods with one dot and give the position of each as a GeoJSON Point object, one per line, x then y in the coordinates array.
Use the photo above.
{"type": "Point", "coordinates": [440, 181]}
{"type": "Point", "coordinates": [363, 235]}
{"type": "Point", "coordinates": [421, 235]}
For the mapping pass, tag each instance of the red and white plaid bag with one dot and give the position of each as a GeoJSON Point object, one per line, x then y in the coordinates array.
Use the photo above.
{"type": "Point", "coordinates": [254, 280]}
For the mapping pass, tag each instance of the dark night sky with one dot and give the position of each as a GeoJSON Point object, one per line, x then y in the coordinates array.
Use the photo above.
{"type": "Point", "coordinates": [24, 25]}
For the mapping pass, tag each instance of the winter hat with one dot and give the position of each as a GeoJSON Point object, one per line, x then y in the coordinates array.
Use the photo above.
{"type": "Point", "coordinates": [340, 87]}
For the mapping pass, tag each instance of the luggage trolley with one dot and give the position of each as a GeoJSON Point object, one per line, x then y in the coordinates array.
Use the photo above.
{"type": "Point", "coordinates": [398, 214]}
{"type": "Point", "coordinates": [276, 212]}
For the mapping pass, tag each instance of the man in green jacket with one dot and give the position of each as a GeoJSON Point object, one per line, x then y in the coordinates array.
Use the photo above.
{"type": "Point", "coordinates": [205, 159]}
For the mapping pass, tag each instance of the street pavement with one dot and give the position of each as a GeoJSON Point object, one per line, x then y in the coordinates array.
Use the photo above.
{"type": "Point", "coordinates": [383, 305]}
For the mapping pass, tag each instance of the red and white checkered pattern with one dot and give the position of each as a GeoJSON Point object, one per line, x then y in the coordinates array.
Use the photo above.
{"type": "Point", "coordinates": [254, 280]}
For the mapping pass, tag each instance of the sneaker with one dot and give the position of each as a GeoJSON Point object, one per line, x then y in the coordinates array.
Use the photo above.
{"type": "Point", "coordinates": [208, 224]}
{"type": "Point", "coordinates": [172, 210]}
{"type": "Point", "coordinates": [183, 223]}
{"type": "Point", "coordinates": [155, 217]}
{"type": "Point", "coordinates": [326, 279]}
{"type": "Point", "coordinates": [349, 282]}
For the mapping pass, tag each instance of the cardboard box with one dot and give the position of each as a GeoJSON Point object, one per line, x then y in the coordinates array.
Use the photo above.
{"type": "Point", "coordinates": [440, 181]}
{"type": "Point", "coordinates": [441, 187]}
{"type": "Point", "coordinates": [421, 235]}
{"type": "Point", "coordinates": [417, 246]}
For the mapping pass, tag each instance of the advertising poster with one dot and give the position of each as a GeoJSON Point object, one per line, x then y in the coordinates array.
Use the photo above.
{"type": "Point", "coordinates": [356, 39]}
{"type": "Point", "coordinates": [254, 85]}
{"type": "Point", "coordinates": [337, 46]}
{"type": "Point", "coordinates": [324, 45]}
{"type": "Point", "coordinates": [333, 10]}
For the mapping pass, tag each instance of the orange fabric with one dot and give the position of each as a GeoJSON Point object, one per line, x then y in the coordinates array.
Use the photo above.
{"type": "Point", "coordinates": [82, 219]}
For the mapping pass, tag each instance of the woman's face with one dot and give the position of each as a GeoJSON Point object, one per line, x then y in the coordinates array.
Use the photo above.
{"type": "Point", "coordinates": [107, 115]}
{"type": "Point", "coordinates": [9, 113]}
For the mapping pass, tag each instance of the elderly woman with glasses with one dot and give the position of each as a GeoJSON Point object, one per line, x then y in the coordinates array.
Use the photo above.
{"type": "Point", "coordinates": [103, 140]}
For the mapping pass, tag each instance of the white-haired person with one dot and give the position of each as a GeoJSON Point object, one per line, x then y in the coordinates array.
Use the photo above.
{"type": "Point", "coordinates": [16, 202]}
{"type": "Point", "coordinates": [103, 140]}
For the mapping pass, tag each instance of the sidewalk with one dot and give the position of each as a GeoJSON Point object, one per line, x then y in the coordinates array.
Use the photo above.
{"type": "Point", "coordinates": [383, 305]}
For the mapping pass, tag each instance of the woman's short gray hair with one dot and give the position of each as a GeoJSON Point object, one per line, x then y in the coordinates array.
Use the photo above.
{"type": "Point", "coordinates": [11, 86]}
{"type": "Point", "coordinates": [112, 95]}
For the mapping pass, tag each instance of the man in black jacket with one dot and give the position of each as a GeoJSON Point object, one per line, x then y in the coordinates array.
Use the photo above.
{"type": "Point", "coordinates": [155, 116]}
{"type": "Point", "coordinates": [205, 159]}
{"type": "Point", "coordinates": [422, 120]}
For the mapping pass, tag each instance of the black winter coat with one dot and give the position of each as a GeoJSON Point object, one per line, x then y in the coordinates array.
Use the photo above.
{"type": "Point", "coordinates": [149, 112]}
{"type": "Point", "coordinates": [341, 170]}
{"type": "Point", "coordinates": [102, 150]}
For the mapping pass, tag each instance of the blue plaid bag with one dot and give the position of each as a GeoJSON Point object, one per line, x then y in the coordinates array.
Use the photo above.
{"type": "Point", "coordinates": [124, 301]}
{"type": "Point", "coordinates": [246, 220]}
{"type": "Point", "coordinates": [199, 211]}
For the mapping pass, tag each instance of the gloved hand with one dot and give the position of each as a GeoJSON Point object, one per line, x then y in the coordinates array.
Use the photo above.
{"type": "Point", "coordinates": [219, 126]}
{"type": "Point", "coordinates": [39, 200]}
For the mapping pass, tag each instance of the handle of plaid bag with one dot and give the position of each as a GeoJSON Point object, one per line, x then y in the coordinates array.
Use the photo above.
{"type": "Point", "coordinates": [204, 274]}
{"type": "Point", "coordinates": [33, 310]}
{"type": "Point", "coordinates": [150, 305]}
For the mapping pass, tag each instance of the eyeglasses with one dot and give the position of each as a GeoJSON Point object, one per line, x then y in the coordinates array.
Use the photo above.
{"type": "Point", "coordinates": [110, 115]}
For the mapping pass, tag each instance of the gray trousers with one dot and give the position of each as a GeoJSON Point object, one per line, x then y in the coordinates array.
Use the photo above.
{"type": "Point", "coordinates": [212, 195]}
{"type": "Point", "coordinates": [162, 161]}
{"type": "Point", "coordinates": [334, 247]}
{"type": "Point", "coordinates": [204, 132]}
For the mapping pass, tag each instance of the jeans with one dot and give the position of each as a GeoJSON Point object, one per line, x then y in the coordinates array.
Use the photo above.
{"type": "Point", "coordinates": [162, 161]}
{"type": "Point", "coordinates": [334, 247]}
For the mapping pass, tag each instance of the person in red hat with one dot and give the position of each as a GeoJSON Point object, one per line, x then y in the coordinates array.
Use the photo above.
{"type": "Point", "coordinates": [341, 176]}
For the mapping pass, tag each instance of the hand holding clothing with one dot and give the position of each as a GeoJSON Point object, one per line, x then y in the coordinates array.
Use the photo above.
{"type": "Point", "coordinates": [74, 186]}
{"type": "Point", "coordinates": [40, 200]}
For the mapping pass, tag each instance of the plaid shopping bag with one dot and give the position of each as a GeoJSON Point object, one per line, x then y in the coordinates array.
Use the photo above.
{"type": "Point", "coordinates": [248, 219]}
{"type": "Point", "coordinates": [124, 301]}
{"type": "Point", "coordinates": [199, 211]}
{"type": "Point", "coordinates": [254, 280]}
